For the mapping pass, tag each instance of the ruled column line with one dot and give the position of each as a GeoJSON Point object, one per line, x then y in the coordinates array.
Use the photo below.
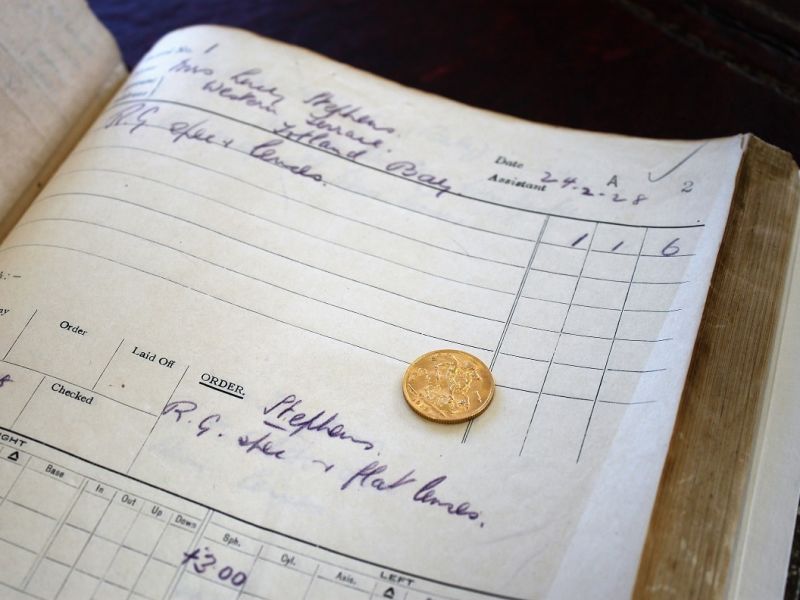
{"type": "Point", "coordinates": [511, 312]}
{"type": "Point", "coordinates": [555, 346]}
{"type": "Point", "coordinates": [611, 348]}
{"type": "Point", "coordinates": [16, 339]}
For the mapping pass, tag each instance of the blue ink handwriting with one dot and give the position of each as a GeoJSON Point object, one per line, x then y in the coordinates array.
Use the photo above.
{"type": "Point", "coordinates": [207, 561]}
{"type": "Point", "coordinates": [287, 417]}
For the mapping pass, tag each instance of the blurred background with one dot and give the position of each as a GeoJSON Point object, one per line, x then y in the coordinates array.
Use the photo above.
{"type": "Point", "coordinates": [655, 68]}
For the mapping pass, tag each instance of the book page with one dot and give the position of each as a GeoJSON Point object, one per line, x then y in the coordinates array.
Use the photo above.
{"type": "Point", "coordinates": [207, 314]}
{"type": "Point", "coordinates": [58, 67]}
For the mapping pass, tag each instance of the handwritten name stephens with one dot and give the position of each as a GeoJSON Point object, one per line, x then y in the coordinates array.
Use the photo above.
{"type": "Point", "coordinates": [285, 416]}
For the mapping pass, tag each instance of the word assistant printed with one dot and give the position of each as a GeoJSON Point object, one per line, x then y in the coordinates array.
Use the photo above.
{"type": "Point", "coordinates": [215, 298]}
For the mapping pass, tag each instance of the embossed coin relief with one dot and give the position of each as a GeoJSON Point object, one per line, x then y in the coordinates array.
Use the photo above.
{"type": "Point", "coordinates": [448, 386]}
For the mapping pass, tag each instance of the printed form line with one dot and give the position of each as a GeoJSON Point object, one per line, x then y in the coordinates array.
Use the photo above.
{"type": "Point", "coordinates": [555, 349]}
{"type": "Point", "coordinates": [187, 287]}
{"type": "Point", "coordinates": [158, 417]}
{"type": "Point", "coordinates": [511, 313]}
{"type": "Point", "coordinates": [608, 357]}
{"type": "Point", "coordinates": [264, 281]}
{"type": "Point", "coordinates": [45, 375]}
{"type": "Point", "coordinates": [16, 339]}
{"type": "Point", "coordinates": [379, 228]}
{"type": "Point", "coordinates": [272, 252]}
{"type": "Point", "coordinates": [104, 147]}
{"type": "Point", "coordinates": [107, 364]}
{"type": "Point", "coordinates": [316, 237]}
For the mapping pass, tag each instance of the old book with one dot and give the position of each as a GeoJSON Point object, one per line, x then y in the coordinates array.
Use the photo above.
{"type": "Point", "coordinates": [216, 270]}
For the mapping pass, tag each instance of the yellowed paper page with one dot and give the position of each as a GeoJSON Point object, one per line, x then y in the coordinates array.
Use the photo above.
{"type": "Point", "coordinates": [58, 67]}
{"type": "Point", "coordinates": [207, 313]}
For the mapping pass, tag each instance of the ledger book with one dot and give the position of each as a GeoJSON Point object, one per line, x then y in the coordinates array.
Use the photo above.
{"type": "Point", "coordinates": [215, 270]}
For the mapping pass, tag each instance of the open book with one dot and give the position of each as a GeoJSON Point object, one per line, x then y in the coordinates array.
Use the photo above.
{"type": "Point", "coordinates": [234, 253]}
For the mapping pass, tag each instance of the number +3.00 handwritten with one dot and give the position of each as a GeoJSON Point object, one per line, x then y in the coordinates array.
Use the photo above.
{"type": "Point", "coordinates": [202, 563]}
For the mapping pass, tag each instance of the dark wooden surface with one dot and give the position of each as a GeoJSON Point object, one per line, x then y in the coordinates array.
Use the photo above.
{"type": "Point", "coordinates": [657, 68]}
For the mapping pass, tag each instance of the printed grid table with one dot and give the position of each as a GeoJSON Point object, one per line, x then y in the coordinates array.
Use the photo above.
{"type": "Point", "coordinates": [94, 533]}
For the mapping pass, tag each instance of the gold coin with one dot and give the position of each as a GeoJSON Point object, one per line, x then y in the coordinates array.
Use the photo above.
{"type": "Point", "coordinates": [448, 386]}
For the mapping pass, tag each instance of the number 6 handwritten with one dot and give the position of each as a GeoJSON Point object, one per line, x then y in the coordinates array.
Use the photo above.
{"type": "Point", "coordinates": [671, 249]}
